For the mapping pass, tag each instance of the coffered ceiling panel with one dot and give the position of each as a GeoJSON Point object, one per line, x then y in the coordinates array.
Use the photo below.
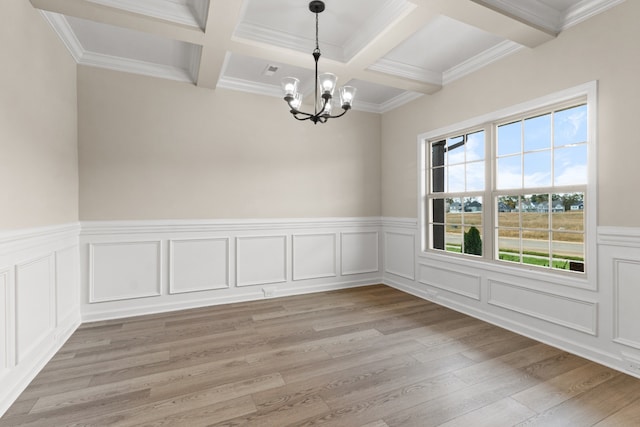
{"type": "Point", "coordinates": [392, 51]}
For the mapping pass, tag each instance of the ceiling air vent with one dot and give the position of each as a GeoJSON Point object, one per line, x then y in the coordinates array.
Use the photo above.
{"type": "Point", "coordinates": [270, 70]}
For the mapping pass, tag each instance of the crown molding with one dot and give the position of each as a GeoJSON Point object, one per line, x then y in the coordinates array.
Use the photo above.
{"type": "Point", "coordinates": [259, 33]}
{"type": "Point", "coordinates": [62, 28]}
{"type": "Point", "coordinates": [200, 10]}
{"type": "Point", "coordinates": [161, 9]}
{"type": "Point", "coordinates": [248, 86]}
{"type": "Point", "coordinates": [92, 59]}
{"type": "Point", "coordinates": [481, 60]}
{"type": "Point", "coordinates": [127, 65]}
{"type": "Point", "coordinates": [397, 101]}
{"type": "Point", "coordinates": [407, 71]}
{"type": "Point", "coordinates": [536, 13]}
{"type": "Point", "coordinates": [550, 19]}
{"type": "Point", "coordinates": [585, 10]}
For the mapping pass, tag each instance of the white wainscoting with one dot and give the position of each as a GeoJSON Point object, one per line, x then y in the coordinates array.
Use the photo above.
{"type": "Point", "coordinates": [619, 250]}
{"type": "Point", "coordinates": [139, 267]}
{"type": "Point", "coordinates": [601, 323]}
{"type": "Point", "coordinates": [39, 301]}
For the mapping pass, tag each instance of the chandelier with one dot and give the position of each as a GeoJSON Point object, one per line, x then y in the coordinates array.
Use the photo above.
{"type": "Point", "coordinates": [325, 82]}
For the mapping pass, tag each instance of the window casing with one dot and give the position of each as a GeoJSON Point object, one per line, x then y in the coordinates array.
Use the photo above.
{"type": "Point", "coordinates": [513, 189]}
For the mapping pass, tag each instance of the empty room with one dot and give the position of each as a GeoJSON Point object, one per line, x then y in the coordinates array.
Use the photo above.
{"type": "Point", "coordinates": [356, 213]}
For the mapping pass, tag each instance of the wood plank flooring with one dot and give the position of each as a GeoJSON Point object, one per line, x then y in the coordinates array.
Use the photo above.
{"type": "Point", "coordinates": [365, 357]}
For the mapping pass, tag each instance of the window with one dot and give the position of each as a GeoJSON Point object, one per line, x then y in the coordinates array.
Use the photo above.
{"type": "Point", "coordinates": [512, 189]}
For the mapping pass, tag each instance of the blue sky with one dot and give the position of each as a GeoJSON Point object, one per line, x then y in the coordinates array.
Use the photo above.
{"type": "Point", "coordinates": [524, 150]}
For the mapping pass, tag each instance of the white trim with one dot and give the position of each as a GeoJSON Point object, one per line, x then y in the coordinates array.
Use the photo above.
{"type": "Point", "coordinates": [64, 31]}
{"type": "Point", "coordinates": [481, 60]}
{"type": "Point", "coordinates": [586, 9]}
{"type": "Point", "coordinates": [407, 71]}
{"type": "Point", "coordinates": [619, 236]}
{"type": "Point", "coordinates": [395, 102]}
{"type": "Point", "coordinates": [248, 86]}
{"type": "Point", "coordinates": [117, 63]}
{"type": "Point", "coordinates": [162, 9]}
{"type": "Point", "coordinates": [166, 226]}
{"type": "Point", "coordinates": [269, 36]}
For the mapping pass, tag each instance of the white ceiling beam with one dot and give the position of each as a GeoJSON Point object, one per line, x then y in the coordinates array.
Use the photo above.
{"type": "Point", "coordinates": [404, 27]}
{"type": "Point", "coordinates": [221, 21]}
{"type": "Point", "coordinates": [480, 14]}
{"type": "Point", "coordinates": [113, 16]}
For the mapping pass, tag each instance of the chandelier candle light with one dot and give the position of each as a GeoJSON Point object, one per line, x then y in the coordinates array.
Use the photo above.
{"type": "Point", "coordinates": [326, 82]}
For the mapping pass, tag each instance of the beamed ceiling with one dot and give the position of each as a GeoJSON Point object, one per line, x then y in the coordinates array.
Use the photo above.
{"type": "Point", "coordinates": [393, 51]}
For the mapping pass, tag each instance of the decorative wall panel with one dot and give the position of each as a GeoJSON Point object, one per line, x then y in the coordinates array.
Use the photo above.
{"type": "Point", "coordinates": [198, 265]}
{"type": "Point", "coordinates": [67, 283]}
{"type": "Point", "coordinates": [314, 256]}
{"type": "Point", "coordinates": [359, 252]}
{"type": "Point", "coordinates": [261, 260]}
{"type": "Point", "coordinates": [5, 322]}
{"type": "Point", "coordinates": [447, 279]}
{"type": "Point", "coordinates": [35, 308]}
{"type": "Point", "coordinates": [626, 281]}
{"type": "Point", "coordinates": [565, 311]}
{"type": "Point", "coordinates": [399, 254]}
{"type": "Point", "coordinates": [124, 270]}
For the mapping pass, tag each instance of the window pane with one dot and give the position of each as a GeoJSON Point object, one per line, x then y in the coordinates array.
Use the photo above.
{"type": "Point", "coordinates": [569, 217]}
{"type": "Point", "coordinates": [454, 214]}
{"type": "Point", "coordinates": [570, 126]}
{"type": "Point", "coordinates": [537, 220]}
{"type": "Point", "coordinates": [535, 248]}
{"type": "Point", "coordinates": [455, 205]}
{"type": "Point", "coordinates": [509, 244]}
{"type": "Point", "coordinates": [475, 146]}
{"type": "Point", "coordinates": [455, 178]}
{"type": "Point", "coordinates": [454, 239]}
{"type": "Point", "coordinates": [509, 138]}
{"type": "Point", "coordinates": [570, 165]}
{"type": "Point", "coordinates": [568, 251]}
{"type": "Point", "coordinates": [537, 133]}
{"type": "Point", "coordinates": [475, 176]}
{"type": "Point", "coordinates": [509, 173]}
{"type": "Point", "coordinates": [472, 205]}
{"type": "Point", "coordinates": [455, 150]}
{"type": "Point", "coordinates": [472, 243]}
{"type": "Point", "coordinates": [508, 204]}
{"type": "Point", "coordinates": [537, 169]}
{"type": "Point", "coordinates": [437, 180]}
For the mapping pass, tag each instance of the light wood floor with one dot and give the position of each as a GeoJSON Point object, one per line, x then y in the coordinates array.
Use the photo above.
{"type": "Point", "coordinates": [373, 357]}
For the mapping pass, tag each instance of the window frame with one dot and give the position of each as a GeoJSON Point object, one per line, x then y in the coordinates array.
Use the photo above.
{"type": "Point", "coordinates": [586, 93]}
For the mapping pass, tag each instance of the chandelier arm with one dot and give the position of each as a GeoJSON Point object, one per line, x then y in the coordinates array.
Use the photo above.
{"type": "Point", "coordinates": [339, 115]}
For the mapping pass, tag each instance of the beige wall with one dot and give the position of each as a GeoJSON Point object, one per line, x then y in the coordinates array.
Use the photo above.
{"type": "Point", "coordinates": [38, 122]}
{"type": "Point", "coordinates": [604, 48]}
{"type": "Point", "coordinates": [157, 149]}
